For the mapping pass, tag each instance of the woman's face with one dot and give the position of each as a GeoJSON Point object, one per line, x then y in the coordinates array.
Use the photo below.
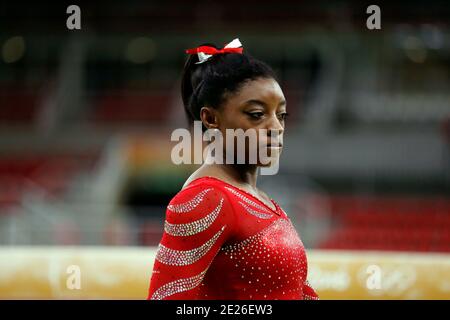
{"type": "Point", "coordinates": [259, 104]}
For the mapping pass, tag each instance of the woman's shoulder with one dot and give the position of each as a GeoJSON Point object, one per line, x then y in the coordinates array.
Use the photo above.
{"type": "Point", "coordinates": [199, 192]}
{"type": "Point", "coordinates": [204, 182]}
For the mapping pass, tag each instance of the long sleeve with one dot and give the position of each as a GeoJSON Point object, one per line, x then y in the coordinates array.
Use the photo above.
{"type": "Point", "coordinates": [199, 220]}
{"type": "Point", "coordinates": [308, 292]}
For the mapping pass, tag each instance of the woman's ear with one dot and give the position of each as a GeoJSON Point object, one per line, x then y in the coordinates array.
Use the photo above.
{"type": "Point", "coordinates": [209, 118]}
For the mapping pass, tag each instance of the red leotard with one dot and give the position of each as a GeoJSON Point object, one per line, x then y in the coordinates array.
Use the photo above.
{"type": "Point", "coordinates": [222, 243]}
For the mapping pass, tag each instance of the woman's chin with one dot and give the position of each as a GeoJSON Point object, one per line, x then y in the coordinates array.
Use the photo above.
{"type": "Point", "coordinates": [268, 162]}
{"type": "Point", "coordinates": [274, 153]}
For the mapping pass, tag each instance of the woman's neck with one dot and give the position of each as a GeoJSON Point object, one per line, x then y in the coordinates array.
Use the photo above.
{"type": "Point", "coordinates": [244, 174]}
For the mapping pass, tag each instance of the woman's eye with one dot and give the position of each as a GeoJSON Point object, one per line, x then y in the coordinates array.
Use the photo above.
{"type": "Point", "coordinates": [282, 116]}
{"type": "Point", "coordinates": [256, 115]}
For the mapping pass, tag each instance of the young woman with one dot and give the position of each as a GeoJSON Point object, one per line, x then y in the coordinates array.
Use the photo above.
{"type": "Point", "coordinates": [223, 237]}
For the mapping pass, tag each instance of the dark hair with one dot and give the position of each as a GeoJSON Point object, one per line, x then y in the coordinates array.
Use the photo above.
{"type": "Point", "coordinates": [208, 83]}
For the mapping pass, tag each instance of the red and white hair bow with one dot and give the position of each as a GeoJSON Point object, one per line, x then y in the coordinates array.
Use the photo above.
{"type": "Point", "coordinates": [206, 52]}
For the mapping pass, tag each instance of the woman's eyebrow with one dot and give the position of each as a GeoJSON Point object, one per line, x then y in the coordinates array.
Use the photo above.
{"type": "Point", "coordinates": [260, 102]}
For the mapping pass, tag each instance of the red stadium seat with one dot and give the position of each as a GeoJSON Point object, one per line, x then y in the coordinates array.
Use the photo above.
{"type": "Point", "coordinates": [390, 223]}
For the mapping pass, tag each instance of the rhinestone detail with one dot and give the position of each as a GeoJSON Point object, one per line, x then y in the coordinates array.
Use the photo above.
{"type": "Point", "coordinates": [191, 228]}
{"type": "Point", "coordinates": [247, 200]}
{"type": "Point", "coordinates": [256, 213]}
{"type": "Point", "coordinates": [189, 205]}
{"type": "Point", "coordinates": [178, 286]}
{"type": "Point", "coordinates": [185, 257]}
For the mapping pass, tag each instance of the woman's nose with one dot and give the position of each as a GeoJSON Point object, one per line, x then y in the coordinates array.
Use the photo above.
{"type": "Point", "coordinates": [275, 125]}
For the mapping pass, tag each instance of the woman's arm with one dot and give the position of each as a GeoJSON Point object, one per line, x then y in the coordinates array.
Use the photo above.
{"type": "Point", "coordinates": [198, 222]}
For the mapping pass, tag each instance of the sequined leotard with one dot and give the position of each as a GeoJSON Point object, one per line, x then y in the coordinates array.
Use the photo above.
{"type": "Point", "coordinates": [222, 243]}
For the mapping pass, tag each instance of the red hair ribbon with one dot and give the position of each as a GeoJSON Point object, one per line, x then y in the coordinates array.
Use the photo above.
{"type": "Point", "coordinates": [206, 52]}
{"type": "Point", "coordinates": [213, 51]}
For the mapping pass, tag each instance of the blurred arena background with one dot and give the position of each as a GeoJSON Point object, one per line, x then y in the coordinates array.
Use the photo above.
{"type": "Point", "coordinates": [86, 117]}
